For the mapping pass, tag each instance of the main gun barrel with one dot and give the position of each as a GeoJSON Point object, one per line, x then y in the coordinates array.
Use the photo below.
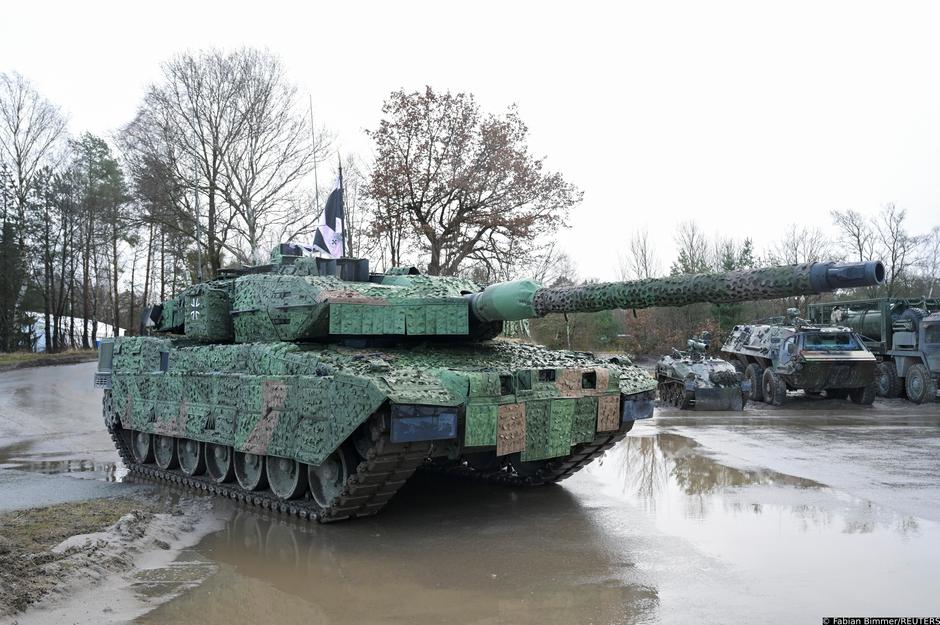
{"type": "Point", "coordinates": [524, 299]}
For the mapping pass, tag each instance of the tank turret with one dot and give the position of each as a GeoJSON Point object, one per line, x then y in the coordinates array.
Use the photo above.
{"type": "Point", "coordinates": [302, 299]}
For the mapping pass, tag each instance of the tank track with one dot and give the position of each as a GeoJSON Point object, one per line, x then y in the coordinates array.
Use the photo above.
{"type": "Point", "coordinates": [378, 477]}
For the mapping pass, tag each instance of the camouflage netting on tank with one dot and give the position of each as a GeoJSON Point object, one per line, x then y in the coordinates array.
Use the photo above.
{"type": "Point", "coordinates": [291, 307]}
{"type": "Point", "coordinates": [735, 286]}
{"type": "Point", "coordinates": [724, 378]}
{"type": "Point", "coordinates": [302, 401]}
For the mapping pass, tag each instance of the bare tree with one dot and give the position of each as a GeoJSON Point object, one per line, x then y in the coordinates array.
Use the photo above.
{"type": "Point", "coordinates": [640, 260]}
{"type": "Point", "coordinates": [273, 153]}
{"type": "Point", "coordinates": [195, 114]}
{"type": "Point", "coordinates": [801, 244]}
{"type": "Point", "coordinates": [30, 130]}
{"type": "Point", "coordinates": [897, 248]}
{"type": "Point", "coordinates": [463, 181]}
{"type": "Point", "coordinates": [855, 233]}
{"type": "Point", "coordinates": [693, 256]}
{"type": "Point", "coordinates": [930, 263]}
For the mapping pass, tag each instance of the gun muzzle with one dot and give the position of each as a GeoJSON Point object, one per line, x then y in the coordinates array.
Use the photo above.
{"type": "Point", "coordinates": [831, 276]}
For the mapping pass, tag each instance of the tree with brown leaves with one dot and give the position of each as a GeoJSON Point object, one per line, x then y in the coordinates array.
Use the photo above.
{"type": "Point", "coordinates": [461, 184]}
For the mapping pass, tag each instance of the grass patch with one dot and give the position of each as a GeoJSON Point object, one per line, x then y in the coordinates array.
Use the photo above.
{"type": "Point", "coordinates": [13, 360]}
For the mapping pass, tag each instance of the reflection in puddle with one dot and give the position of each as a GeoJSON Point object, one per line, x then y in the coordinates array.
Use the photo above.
{"type": "Point", "coordinates": [782, 536]}
{"type": "Point", "coordinates": [442, 552]}
{"type": "Point", "coordinates": [650, 463]}
{"type": "Point", "coordinates": [89, 469]}
{"type": "Point", "coordinates": [666, 472]}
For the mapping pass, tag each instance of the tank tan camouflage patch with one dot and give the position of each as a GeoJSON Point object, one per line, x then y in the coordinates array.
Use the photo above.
{"type": "Point", "coordinates": [274, 394]}
{"type": "Point", "coordinates": [608, 413]}
{"type": "Point", "coordinates": [568, 382]}
{"type": "Point", "coordinates": [510, 437]}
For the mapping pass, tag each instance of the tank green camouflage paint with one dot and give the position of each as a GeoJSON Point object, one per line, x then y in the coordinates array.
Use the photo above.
{"type": "Point", "coordinates": [351, 381]}
{"type": "Point", "coordinates": [302, 401]}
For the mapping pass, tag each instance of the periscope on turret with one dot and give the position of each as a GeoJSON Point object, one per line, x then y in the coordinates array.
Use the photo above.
{"type": "Point", "coordinates": [315, 387]}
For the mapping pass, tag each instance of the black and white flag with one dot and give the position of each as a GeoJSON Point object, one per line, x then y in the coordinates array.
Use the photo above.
{"type": "Point", "coordinates": [328, 238]}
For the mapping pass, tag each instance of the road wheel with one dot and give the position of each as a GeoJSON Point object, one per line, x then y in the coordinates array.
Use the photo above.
{"type": "Point", "coordinates": [164, 451]}
{"type": "Point", "coordinates": [249, 471]}
{"type": "Point", "coordinates": [774, 389]}
{"type": "Point", "coordinates": [864, 395]}
{"type": "Point", "coordinates": [219, 463]}
{"type": "Point", "coordinates": [888, 383]}
{"type": "Point", "coordinates": [755, 373]}
{"type": "Point", "coordinates": [287, 477]}
{"type": "Point", "coordinates": [328, 479]}
{"type": "Point", "coordinates": [141, 447]}
{"type": "Point", "coordinates": [191, 456]}
{"type": "Point", "coordinates": [921, 387]}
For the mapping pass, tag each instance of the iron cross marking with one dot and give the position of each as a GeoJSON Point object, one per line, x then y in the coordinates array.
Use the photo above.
{"type": "Point", "coordinates": [195, 312]}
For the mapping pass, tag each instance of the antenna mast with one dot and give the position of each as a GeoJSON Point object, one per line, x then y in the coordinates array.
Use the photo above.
{"type": "Point", "coordinates": [313, 142]}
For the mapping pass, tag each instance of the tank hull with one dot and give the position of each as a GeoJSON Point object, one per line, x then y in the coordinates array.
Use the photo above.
{"type": "Point", "coordinates": [501, 411]}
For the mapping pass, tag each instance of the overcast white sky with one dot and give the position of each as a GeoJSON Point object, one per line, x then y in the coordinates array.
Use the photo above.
{"type": "Point", "coordinates": [745, 116]}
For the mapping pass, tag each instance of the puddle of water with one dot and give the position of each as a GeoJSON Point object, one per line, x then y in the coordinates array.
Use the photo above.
{"type": "Point", "coordinates": [785, 537]}
{"type": "Point", "coordinates": [86, 469]}
{"type": "Point", "coordinates": [22, 456]}
{"type": "Point", "coordinates": [442, 552]}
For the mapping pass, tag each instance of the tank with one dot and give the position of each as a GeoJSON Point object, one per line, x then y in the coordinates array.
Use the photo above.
{"type": "Point", "coordinates": [315, 387]}
{"type": "Point", "coordinates": [789, 353]}
{"type": "Point", "coordinates": [692, 379]}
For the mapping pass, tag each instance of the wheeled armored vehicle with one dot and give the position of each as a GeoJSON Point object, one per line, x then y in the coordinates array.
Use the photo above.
{"type": "Point", "coordinates": [903, 333]}
{"type": "Point", "coordinates": [790, 353]}
{"type": "Point", "coordinates": [692, 379]}
{"type": "Point", "coordinates": [316, 387]}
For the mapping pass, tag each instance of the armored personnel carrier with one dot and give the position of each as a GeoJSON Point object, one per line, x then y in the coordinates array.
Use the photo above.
{"type": "Point", "coordinates": [315, 387]}
{"type": "Point", "coordinates": [790, 353]}
{"type": "Point", "coordinates": [693, 379]}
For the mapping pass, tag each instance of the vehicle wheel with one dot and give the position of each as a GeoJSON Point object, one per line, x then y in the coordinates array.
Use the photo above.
{"type": "Point", "coordinates": [755, 373]}
{"type": "Point", "coordinates": [888, 383]}
{"type": "Point", "coordinates": [328, 478]}
{"type": "Point", "coordinates": [142, 447]}
{"type": "Point", "coordinates": [921, 387]}
{"type": "Point", "coordinates": [864, 395]}
{"type": "Point", "coordinates": [837, 393]}
{"type": "Point", "coordinates": [774, 388]}
{"type": "Point", "coordinates": [192, 456]}
{"type": "Point", "coordinates": [219, 463]}
{"type": "Point", "coordinates": [686, 399]}
{"type": "Point", "coordinates": [249, 471]}
{"type": "Point", "coordinates": [164, 452]}
{"type": "Point", "coordinates": [287, 477]}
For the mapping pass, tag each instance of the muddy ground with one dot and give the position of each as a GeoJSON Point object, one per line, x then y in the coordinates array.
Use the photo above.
{"type": "Point", "coordinates": [774, 515]}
